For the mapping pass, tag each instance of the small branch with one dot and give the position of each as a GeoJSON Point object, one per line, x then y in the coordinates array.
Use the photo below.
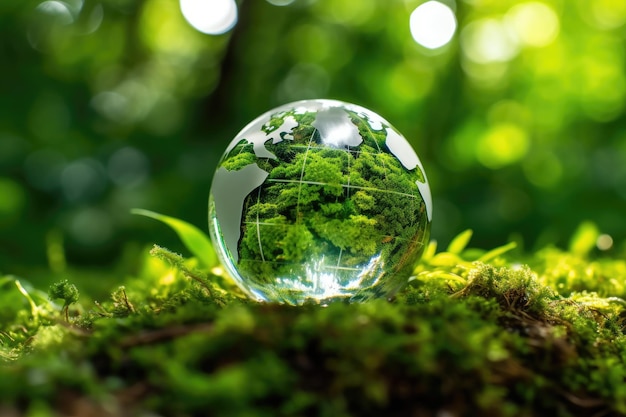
{"type": "Point", "coordinates": [103, 313]}
{"type": "Point", "coordinates": [72, 329]}
{"type": "Point", "coordinates": [178, 262]}
{"type": "Point", "coordinates": [129, 306]}
{"type": "Point", "coordinates": [168, 333]}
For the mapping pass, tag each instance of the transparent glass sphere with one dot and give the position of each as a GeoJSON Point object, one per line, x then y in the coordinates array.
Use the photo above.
{"type": "Point", "coordinates": [319, 200]}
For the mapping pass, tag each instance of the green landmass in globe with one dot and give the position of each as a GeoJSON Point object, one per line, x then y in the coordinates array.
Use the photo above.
{"type": "Point", "coordinates": [320, 200]}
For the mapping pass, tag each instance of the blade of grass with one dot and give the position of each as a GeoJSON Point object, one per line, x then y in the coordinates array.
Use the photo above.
{"type": "Point", "coordinates": [494, 253]}
{"type": "Point", "coordinates": [33, 306]}
{"type": "Point", "coordinates": [584, 239]}
{"type": "Point", "coordinates": [430, 251]}
{"type": "Point", "coordinates": [193, 238]}
{"type": "Point", "coordinates": [459, 243]}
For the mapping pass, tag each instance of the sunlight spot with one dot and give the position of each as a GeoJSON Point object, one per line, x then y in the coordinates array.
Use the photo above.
{"type": "Point", "coordinates": [432, 24]}
{"type": "Point", "coordinates": [49, 19]}
{"type": "Point", "coordinates": [304, 80]}
{"type": "Point", "coordinates": [128, 167]}
{"type": "Point", "coordinates": [168, 279]}
{"type": "Point", "coordinates": [111, 105]}
{"type": "Point", "coordinates": [212, 17]}
{"type": "Point", "coordinates": [535, 24]}
{"type": "Point", "coordinates": [75, 6]}
{"type": "Point", "coordinates": [608, 14]}
{"type": "Point", "coordinates": [543, 169]}
{"type": "Point", "coordinates": [346, 12]}
{"type": "Point", "coordinates": [83, 180]}
{"type": "Point", "coordinates": [57, 10]}
{"type": "Point", "coordinates": [218, 271]}
{"type": "Point", "coordinates": [502, 145]}
{"type": "Point", "coordinates": [604, 242]}
{"type": "Point", "coordinates": [488, 40]}
{"type": "Point", "coordinates": [91, 226]}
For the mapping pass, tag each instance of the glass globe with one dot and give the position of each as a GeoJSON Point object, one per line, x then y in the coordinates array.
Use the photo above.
{"type": "Point", "coordinates": [319, 201]}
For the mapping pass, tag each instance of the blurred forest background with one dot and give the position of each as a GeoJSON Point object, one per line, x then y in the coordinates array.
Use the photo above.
{"type": "Point", "coordinates": [515, 107]}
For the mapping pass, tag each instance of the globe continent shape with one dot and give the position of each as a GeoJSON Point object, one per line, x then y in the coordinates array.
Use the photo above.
{"type": "Point", "coordinates": [319, 201]}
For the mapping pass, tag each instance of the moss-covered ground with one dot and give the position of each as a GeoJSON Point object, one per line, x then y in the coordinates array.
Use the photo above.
{"type": "Point", "coordinates": [474, 333]}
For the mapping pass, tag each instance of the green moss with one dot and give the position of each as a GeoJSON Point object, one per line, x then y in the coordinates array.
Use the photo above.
{"type": "Point", "coordinates": [465, 337]}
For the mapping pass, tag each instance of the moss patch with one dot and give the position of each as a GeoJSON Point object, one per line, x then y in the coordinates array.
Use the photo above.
{"type": "Point", "coordinates": [473, 333]}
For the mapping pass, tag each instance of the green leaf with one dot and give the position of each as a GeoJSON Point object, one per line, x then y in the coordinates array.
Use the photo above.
{"type": "Point", "coordinates": [459, 243]}
{"type": "Point", "coordinates": [33, 306]}
{"type": "Point", "coordinates": [446, 259]}
{"type": "Point", "coordinates": [494, 253]}
{"type": "Point", "coordinates": [442, 275]}
{"type": "Point", "coordinates": [193, 238]}
{"type": "Point", "coordinates": [430, 251]}
{"type": "Point", "coordinates": [584, 238]}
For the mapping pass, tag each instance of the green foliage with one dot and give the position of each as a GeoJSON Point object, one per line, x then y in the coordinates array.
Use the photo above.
{"type": "Point", "coordinates": [514, 289]}
{"type": "Point", "coordinates": [101, 114]}
{"type": "Point", "coordinates": [138, 116]}
{"type": "Point", "coordinates": [240, 156]}
{"type": "Point", "coordinates": [459, 243]}
{"type": "Point", "coordinates": [584, 239]}
{"type": "Point", "coordinates": [495, 338]}
{"type": "Point", "coordinates": [194, 239]}
{"type": "Point", "coordinates": [64, 290]}
{"type": "Point", "coordinates": [67, 292]}
{"type": "Point", "coordinates": [25, 313]}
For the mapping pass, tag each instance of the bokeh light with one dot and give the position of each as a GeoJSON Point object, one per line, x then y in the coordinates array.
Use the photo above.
{"type": "Point", "coordinates": [113, 105]}
{"type": "Point", "coordinates": [543, 169]}
{"type": "Point", "coordinates": [95, 19]}
{"type": "Point", "coordinates": [604, 242]}
{"type": "Point", "coordinates": [349, 13]}
{"type": "Point", "coordinates": [502, 145]}
{"type": "Point", "coordinates": [304, 81]}
{"type": "Point", "coordinates": [488, 40]}
{"type": "Point", "coordinates": [12, 201]}
{"type": "Point", "coordinates": [432, 24]}
{"type": "Point", "coordinates": [56, 10]}
{"type": "Point", "coordinates": [213, 17]}
{"type": "Point", "coordinates": [535, 24]}
{"type": "Point", "coordinates": [128, 167]}
{"type": "Point", "coordinates": [83, 180]}
{"type": "Point", "coordinates": [43, 168]}
{"type": "Point", "coordinates": [48, 18]}
{"type": "Point", "coordinates": [90, 226]}
{"type": "Point", "coordinates": [608, 14]}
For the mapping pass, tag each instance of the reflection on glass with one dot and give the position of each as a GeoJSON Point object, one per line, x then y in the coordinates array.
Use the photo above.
{"type": "Point", "coordinates": [318, 201]}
